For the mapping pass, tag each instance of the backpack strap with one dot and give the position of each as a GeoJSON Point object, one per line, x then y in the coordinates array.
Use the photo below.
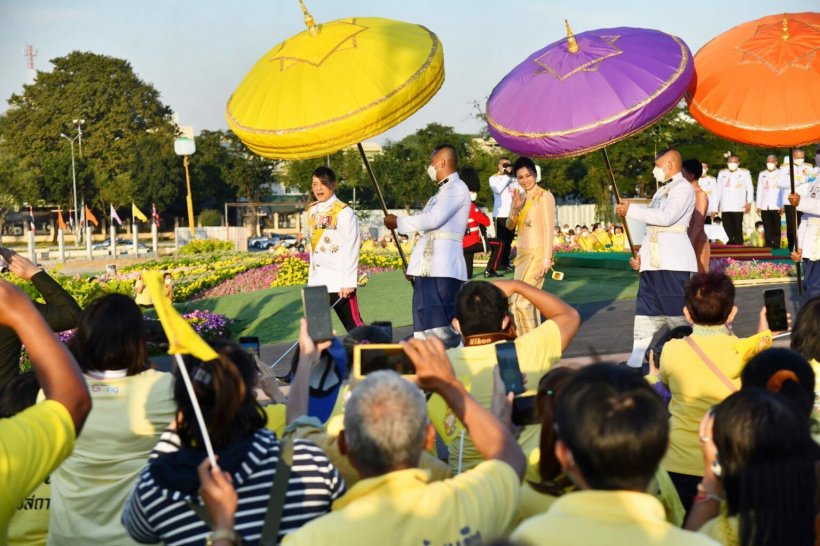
{"type": "Point", "coordinates": [711, 365]}
{"type": "Point", "coordinates": [279, 489]}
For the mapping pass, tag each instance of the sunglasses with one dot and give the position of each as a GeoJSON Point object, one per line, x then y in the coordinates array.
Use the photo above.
{"type": "Point", "coordinates": [505, 165]}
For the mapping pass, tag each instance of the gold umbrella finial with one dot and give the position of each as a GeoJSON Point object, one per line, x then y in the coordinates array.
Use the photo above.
{"type": "Point", "coordinates": [572, 45]}
{"type": "Point", "coordinates": [785, 34]}
{"type": "Point", "coordinates": [309, 21]}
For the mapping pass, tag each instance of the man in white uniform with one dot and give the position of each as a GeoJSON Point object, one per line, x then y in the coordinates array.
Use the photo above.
{"type": "Point", "coordinates": [802, 173]}
{"type": "Point", "coordinates": [437, 263]}
{"type": "Point", "coordinates": [709, 186]}
{"type": "Point", "coordinates": [666, 258]}
{"type": "Point", "coordinates": [333, 230]}
{"type": "Point", "coordinates": [503, 184]}
{"type": "Point", "coordinates": [736, 197]}
{"type": "Point", "coordinates": [769, 202]}
{"type": "Point", "coordinates": [808, 238]}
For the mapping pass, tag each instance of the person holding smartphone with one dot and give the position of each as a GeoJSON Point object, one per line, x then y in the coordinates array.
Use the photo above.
{"type": "Point", "coordinates": [333, 231]}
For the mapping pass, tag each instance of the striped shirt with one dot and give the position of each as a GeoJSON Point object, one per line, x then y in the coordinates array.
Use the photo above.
{"type": "Point", "coordinates": [157, 512]}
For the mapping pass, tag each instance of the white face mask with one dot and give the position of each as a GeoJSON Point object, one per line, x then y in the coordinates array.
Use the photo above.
{"type": "Point", "coordinates": [760, 229]}
{"type": "Point", "coordinates": [703, 174]}
{"type": "Point", "coordinates": [771, 166]}
{"type": "Point", "coordinates": [473, 195]}
{"type": "Point", "coordinates": [732, 166]}
{"type": "Point", "coordinates": [584, 234]}
{"type": "Point", "coordinates": [431, 172]}
{"type": "Point", "coordinates": [657, 172]}
{"type": "Point", "coordinates": [798, 161]}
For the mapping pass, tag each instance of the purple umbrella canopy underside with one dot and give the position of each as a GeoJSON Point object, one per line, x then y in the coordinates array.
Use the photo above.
{"type": "Point", "coordinates": [559, 103]}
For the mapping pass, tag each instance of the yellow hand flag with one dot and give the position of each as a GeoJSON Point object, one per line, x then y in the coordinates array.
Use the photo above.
{"type": "Point", "coordinates": [137, 213]}
{"type": "Point", "coordinates": [182, 338]}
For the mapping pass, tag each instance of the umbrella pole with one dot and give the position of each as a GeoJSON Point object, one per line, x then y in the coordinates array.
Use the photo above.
{"type": "Point", "coordinates": [794, 223]}
{"type": "Point", "coordinates": [381, 202]}
{"type": "Point", "coordinates": [618, 199]}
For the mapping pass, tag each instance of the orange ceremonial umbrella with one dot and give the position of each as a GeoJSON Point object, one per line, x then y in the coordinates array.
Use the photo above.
{"type": "Point", "coordinates": [759, 83]}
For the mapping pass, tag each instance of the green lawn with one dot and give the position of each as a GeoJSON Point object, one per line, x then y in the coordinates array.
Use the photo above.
{"type": "Point", "coordinates": [273, 314]}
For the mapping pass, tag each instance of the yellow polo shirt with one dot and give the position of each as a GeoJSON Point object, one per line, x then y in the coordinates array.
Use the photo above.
{"type": "Point", "coordinates": [537, 351]}
{"type": "Point", "coordinates": [403, 508]}
{"type": "Point", "coordinates": [724, 529]}
{"type": "Point", "coordinates": [32, 444]}
{"type": "Point", "coordinates": [695, 387]}
{"type": "Point", "coordinates": [593, 518]}
{"type": "Point", "coordinates": [29, 525]}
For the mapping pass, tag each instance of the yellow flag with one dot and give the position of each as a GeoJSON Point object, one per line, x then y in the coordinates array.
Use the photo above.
{"type": "Point", "coordinates": [182, 338]}
{"type": "Point", "coordinates": [137, 213]}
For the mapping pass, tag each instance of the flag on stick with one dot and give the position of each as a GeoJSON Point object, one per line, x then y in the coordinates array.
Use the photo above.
{"type": "Point", "coordinates": [89, 216]}
{"type": "Point", "coordinates": [115, 216]}
{"type": "Point", "coordinates": [154, 214]}
{"type": "Point", "coordinates": [182, 339]}
{"type": "Point", "coordinates": [60, 222]}
{"type": "Point", "coordinates": [31, 224]}
{"type": "Point", "coordinates": [137, 213]}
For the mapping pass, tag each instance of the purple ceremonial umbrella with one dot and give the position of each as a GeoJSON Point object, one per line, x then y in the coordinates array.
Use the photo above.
{"type": "Point", "coordinates": [586, 91]}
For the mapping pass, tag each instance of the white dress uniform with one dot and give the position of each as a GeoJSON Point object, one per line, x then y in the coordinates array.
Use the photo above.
{"type": "Point", "coordinates": [768, 190]}
{"type": "Point", "coordinates": [802, 174]}
{"type": "Point", "coordinates": [808, 235]}
{"type": "Point", "coordinates": [736, 190]}
{"type": "Point", "coordinates": [334, 245]}
{"type": "Point", "coordinates": [503, 187]}
{"type": "Point", "coordinates": [443, 222]}
{"type": "Point", "coordinates": [666, 245]}
{"type": "Point", "coordinates": [709, 186]}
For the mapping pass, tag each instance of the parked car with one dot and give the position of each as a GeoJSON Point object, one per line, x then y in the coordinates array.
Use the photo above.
{"type": "Point", "coordinates": [124, 245]}
{"type": "Point", "coordinates": [272, 240]}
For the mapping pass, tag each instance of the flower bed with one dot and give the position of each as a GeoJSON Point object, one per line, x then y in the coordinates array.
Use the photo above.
{"type": "Point", "coordinates": [741, 270]}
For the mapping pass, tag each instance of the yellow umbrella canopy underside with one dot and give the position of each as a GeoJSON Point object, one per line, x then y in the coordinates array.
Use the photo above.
{"type": "Point", "coordinates": [347, 81]}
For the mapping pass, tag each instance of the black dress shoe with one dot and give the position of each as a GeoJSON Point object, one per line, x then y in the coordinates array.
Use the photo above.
{"type": "Point", "coordinates": [491, 274]}
{"type": "Point", "coordinates": [510, 268]}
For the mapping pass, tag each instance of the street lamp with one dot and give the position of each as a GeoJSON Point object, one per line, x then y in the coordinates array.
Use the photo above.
{"type": "Point", "coordinates": [185, 147]}
{"type": "Point", "coordinates": [78, 123]}
{"type": "Point", "coordinates": [74, 178]}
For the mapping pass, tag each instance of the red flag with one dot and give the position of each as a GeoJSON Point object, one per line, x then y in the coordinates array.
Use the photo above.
{"type": "Point", "coordinates": [154, 214]}
{"type": "Point", "coordinates": [89, 216]}
{"type": "Point", "coordinates": [31, 220]}
{"type": "Point", "coordinates": [60, 222]}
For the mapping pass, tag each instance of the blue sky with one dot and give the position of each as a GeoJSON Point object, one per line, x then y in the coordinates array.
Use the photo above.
{"type": "Point", "coordinates": [195, 52]}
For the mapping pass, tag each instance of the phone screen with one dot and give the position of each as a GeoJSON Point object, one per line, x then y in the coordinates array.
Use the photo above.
{"type": "Point", "coordinates": [370, 358]}
{"type": "Point", "coordinates": [250, 344]}
{"type": "Point", "coordinates": [316, 306]}
{"type": "Point", "coordinates": [775, 301]}
{"type": "Point", "coordinates": [508, 366]}
{"type": "Point", "coordinates": [524, 411]}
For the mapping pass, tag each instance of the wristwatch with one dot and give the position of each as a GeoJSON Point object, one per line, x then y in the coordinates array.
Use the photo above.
{"type": "Point", "coordinates": [222, 534]}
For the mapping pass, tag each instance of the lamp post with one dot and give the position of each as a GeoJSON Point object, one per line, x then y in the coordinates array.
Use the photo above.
{"type": "Point", "coordinates": [78, 123]}
{"type": "Point", "coordinates": [186, 147]}
{"type": "Point", "coordinates": [74, 179]}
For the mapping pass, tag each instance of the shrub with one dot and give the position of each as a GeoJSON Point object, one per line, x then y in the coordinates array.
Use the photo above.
{"type": "Point", "coordinates": [205, 246]}
{"type": "Point", "coordinates": [210, 218]}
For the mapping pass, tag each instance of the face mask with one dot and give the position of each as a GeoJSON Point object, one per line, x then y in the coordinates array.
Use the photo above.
{"type": "Point", "coordinates": [760, 229]}
{"type": "Point", "coordinates": [431, 172]}
{"type": "Point", "coordinates": [703, 174]}
{"type": "Point", "coordinates": [167, 282]}
{"type": "Point", "coordinates": [584, 234]}
{"type": "Point", "coordinates": [473, 195]}
{"type": "Point", "coordinates": [657, 172]}
{"type": "Point", "coordinates": [798, 161]}
{"type": "Point", "coordinates": [732, 166]}
{"type": "Point", "coordinates": [770, 166]}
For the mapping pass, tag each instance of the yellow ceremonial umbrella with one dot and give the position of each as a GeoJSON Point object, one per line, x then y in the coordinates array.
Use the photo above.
{"type": "Point", "coordinates": [334, 85]}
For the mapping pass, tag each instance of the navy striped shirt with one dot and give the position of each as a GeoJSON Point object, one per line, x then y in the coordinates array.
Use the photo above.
{"type": "Point", "coordinates": [157, 513]}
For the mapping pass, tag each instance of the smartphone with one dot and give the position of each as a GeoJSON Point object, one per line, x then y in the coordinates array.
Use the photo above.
{"type": "Point", "coordinates": [508, 366]}
{"type": "Point", "coordinates": [775, 301]}
{"type": "Point", "coordinates": [369, 358]}
{"type": "Point", "coordinates": [525, 411]}
{"type": "Point", "coordinates": [6, 254]}
{"type": "Point", "coordinates": [250, 344]}
{"type": "Point", "coordinates": [316, 306]}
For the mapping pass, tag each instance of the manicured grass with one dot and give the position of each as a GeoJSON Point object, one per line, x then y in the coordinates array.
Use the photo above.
{"type": "Point", "coordinates": [273, 314]}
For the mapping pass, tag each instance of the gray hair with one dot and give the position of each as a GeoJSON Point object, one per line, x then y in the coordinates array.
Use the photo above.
{"type": "Point", "coordinates": [385, 423]}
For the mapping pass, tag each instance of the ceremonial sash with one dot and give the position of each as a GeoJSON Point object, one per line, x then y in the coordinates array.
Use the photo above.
{"type": "Point", "coordinates": [318, 229]}
{"type": "Point", "coordinates": [522, 216]}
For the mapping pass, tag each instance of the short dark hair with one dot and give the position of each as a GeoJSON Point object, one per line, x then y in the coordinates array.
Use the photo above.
{"type": "Point", "coordinates": [767, 458]}
{"type": "Point", "coordinates": [325, 175]}
{"type": "Point", "coordinates": [550, 388]}
{"type": "Point", "coordinates": [524, 163]}
{"type": "Point", "coordinates": [615, 425]}
{"type": "Point", "coordinates": [225, 390]}
{"type": "Point", "coordinates": [447, 146]}
{"type": "Point", "coordinates": [805, 339]}
{"type": "Point", "coordinates": [709, 298]}
{"type": "Point", "coordinates": [693, 167]}
{"type": "Point", "coordinates": [662, 153]}
{"type": "Point", "coordinates": [793, 377]}
{"type": "Point", "coordinates": [469, 176]}
{"type": "Point", "coordinates": [111, 336]}
{"type": "Point", "coordinates": [18, 394]}
{"type": "Point", "coordinates": [758, 224]}
{"type": "Point", "coordinates": [480, 308]}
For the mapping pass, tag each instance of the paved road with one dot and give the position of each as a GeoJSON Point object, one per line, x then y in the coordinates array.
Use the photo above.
{"type": "Point", "coordinates": [606, 327]}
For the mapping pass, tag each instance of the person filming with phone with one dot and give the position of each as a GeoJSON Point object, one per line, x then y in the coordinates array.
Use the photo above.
{"type": "Point", "coordinates": [60, 311]}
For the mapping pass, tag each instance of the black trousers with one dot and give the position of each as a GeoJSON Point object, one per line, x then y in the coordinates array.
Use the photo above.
{"type": "Point", "coordinates": [495, 255]}
{"type": "Point", "coordinates": [791, 229]}
{"type": "Point", "coordinates": [347, 310]}
{"type": "Point", "coordinates": [771, 227]}
{"type": "Point", "coordinates": [733, 224]}
{"type": "Point", "coordinates": [687, 487]}
{"type": "Point", "coordinates": [506, 237]}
